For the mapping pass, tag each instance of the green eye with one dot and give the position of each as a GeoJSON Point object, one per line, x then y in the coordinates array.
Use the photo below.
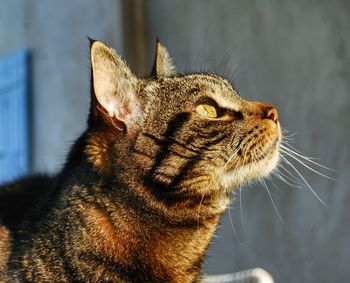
{"type": "Point", "coordinates": [206, 110]}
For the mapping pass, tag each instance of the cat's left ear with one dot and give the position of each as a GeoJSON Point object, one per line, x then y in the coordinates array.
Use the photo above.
{"type": "Point", "coordinates": [114, 86]}
{"type": "Point", "coordinates": [163, 64]}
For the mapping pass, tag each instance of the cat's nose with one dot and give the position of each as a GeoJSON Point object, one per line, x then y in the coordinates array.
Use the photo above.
{"type": "Point", "coordinates": [271, 113]}
{"type": "Point", "coordinates": [268, 111]}
{"type": "Point", "coordinates": [265, 111]}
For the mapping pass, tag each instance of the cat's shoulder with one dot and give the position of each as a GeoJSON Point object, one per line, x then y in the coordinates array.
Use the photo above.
{"type": "Point", "coordinates": [20, 197]}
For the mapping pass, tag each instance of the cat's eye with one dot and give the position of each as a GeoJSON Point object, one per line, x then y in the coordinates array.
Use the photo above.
{"type": "Point", "coordinates": [206, 110]}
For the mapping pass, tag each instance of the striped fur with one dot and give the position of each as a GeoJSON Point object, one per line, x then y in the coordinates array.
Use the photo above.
{"type": "Point", "coordinates": [143, 188]}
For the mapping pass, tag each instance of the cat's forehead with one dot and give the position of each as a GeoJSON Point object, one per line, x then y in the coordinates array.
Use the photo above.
{"type": "Point", "coordinates": [208, 79]}
{"type": "Point", "coordinates": [202, 84]}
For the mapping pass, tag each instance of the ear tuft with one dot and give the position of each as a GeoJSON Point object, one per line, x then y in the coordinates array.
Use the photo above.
{"type": "Point", "coordinates": [163, 63]}
{"type": "Point", "coordinates": [91, 40]}
{"type": "Point", "coordinates": [113, 84]}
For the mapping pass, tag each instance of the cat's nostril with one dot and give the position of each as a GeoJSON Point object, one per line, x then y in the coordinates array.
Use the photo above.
{"type": "Point", "coordinates": [272, 114]}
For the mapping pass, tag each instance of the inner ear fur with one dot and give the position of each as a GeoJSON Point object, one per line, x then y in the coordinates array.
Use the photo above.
{"type": "Point", "coordinates": [113, 86]}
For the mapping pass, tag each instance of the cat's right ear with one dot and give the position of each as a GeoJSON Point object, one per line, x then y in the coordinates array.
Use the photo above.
{"type": "Point", "coordinates": [113, 88]}
{"type": "Point", "coordinates": [163, 65]}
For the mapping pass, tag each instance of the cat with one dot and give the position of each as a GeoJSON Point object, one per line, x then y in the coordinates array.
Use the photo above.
{"type": "Point", "coordinates": [143, 188]}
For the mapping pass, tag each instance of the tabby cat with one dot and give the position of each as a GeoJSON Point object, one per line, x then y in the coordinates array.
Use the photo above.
{"type": "Point", "coordinates": [144, 187]}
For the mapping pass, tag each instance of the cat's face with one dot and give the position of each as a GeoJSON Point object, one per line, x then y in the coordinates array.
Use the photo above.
{"type": "Point", "coordinates": [190, 132]}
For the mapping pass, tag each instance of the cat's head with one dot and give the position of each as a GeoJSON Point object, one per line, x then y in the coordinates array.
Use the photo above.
{"type": "Point", "coordinates": [186, 132]}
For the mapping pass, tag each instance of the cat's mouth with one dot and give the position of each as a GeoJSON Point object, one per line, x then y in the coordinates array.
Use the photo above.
{"type": "Point", "coordinates": [253, 154]}
{"type": "Point", "coordinates": [252, 166]}
{"type": "Point", "coordinates": [268, 151]}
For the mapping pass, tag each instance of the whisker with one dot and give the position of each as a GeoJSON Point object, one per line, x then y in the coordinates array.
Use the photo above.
{"type": "Point", "coordinates": [309, 159]}
{"type": "Point", "coordinates": [228, 161]}
{"type": "Point", "coordinates": [276, 187]}
{"type": "Point", "coordinates": [289, 146]}
{"type": "Point", "coordinates": [308, 167]}
{"type": "Point", "coordinates": [290, 136]}
{"type": "Point", "coordinates": [231, 221]}
{"type": "Point", "coordinates": [262, 181]}
{"type": "Point", "coordinates": [241, 207]}
{"type": "Point", "coordinates": [214, 180]}
{"type": "Point", "coordinates": [279, 175]}
{"type": "Point", "coordinates": [302, 177]}
{"type": "Point", "coordinates": [289, 175]}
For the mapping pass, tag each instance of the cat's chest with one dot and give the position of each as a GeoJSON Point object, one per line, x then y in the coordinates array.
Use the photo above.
{"type": "Point", "coordinates": [169, 251]}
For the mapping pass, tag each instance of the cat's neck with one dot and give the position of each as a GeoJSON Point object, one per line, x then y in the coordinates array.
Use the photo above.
{"type": "Point", "coordinates": [139, 222]}
{"type": "Point", "coordinates": [169, 240]}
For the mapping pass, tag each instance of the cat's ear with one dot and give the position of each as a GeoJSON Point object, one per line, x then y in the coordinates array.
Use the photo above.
{"type": "Point", "coordinates": [163, 64]}
{"type": "Point", "coordinates": [113, 86]}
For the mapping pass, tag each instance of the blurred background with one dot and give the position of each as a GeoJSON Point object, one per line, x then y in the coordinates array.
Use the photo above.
{"type": "Point", "coordinates": [293, 54]}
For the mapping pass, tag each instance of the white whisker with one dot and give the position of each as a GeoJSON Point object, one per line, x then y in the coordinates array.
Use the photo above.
{"type": "Point", "coordinates": [241, 207]}
{"type": "Point", "coordinates": [290, 136]}
{"type": "Point", "coordinates": [289, 175]}
{"type": "Point", "coordinates": [305, 165]}
{"type": "Point", "coordinates": [262, 181]}
{"type": "Point", "coordinates": [273, 203]}
{"type": "Point", "coordinates": [279, 175]}
{"type": "Point", "coordinates": [309, 159]}
{"type": "Point", "coordinates": [273, 184]}
{"type": "Point", "coordinates": [214, 180]}
{"type": "Point", "coordinates": [302, 177]}
{"type": "Point", "coordinates": [233, 227]}
{"type": "Point", "coordinates": [289, 146]}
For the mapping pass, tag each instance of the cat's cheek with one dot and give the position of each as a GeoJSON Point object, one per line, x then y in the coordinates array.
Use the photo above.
{"type": "Point", "coordinates": [250, 172]}
{"type": "Point", "coordinates": [269, 164]}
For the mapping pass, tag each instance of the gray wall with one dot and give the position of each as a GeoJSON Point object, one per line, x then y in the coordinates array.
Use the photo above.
{"type": "Point", "coordinates": [56, 34]}
{"type": "Point", "coordinates": [296, 55]}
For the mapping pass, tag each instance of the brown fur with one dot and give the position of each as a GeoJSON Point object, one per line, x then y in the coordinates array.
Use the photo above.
{"type": "Point", "coordinates": [145, 185]}
{"type": "Point", "coordinates": [4, 249]}
{"type": "Point", "coordinates": [98, 151]}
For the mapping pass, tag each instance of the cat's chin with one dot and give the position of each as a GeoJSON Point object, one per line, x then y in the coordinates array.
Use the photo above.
{"type": "Point", "coordinates": [251, 171]}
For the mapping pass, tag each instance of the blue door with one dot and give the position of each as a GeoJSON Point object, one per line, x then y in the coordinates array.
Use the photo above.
{"type": "Point", "coordinates": [14, 132]}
